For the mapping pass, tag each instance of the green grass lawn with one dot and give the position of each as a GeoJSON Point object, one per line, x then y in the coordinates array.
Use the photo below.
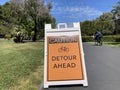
{"type": "Point", "coordinates": [21, 65]}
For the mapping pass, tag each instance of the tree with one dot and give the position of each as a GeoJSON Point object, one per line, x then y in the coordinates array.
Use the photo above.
{"type": "Point", "coordinates": [5, 19]}
{"type": "Point", "coordinates": [87, 27]}
{"type": "Point", "coordinates": [104, 23]}
{"type": "Point", "coordinates": [33, 11]}
{"type": "Point", "coordinates": [116, 17]}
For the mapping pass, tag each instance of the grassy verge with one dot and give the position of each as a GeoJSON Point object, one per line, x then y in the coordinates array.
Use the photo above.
{"type": "Point", "coordinates": [112, 43]}
{"type": "Point", "coordinates": [21, 65]}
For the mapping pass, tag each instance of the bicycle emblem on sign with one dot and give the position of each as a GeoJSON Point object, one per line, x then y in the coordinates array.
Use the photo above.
{"type": "Point", "coordinates": [63, 49]}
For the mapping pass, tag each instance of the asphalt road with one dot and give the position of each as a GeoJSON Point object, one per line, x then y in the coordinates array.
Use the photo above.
{"type": "Point", "coordinates": [103, 69]}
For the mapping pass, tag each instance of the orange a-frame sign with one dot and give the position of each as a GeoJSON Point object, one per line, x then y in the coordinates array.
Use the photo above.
{"type": "Point", "coordinates": [64, 60]}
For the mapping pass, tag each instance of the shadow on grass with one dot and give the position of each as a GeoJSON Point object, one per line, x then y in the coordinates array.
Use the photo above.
{"type": "Point", "coordinates": [41, 40]}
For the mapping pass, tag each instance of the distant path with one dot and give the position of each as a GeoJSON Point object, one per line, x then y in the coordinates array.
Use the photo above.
{"type": "Point", "coordinates": [103, 69]}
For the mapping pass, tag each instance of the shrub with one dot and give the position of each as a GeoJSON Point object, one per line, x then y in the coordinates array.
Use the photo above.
{"type": "Point", "coordinates": [7, 36]}
{"type": "Point", "coordinates": [15, 40]}
{"type": "Point", "coordinates": [111, 38]}
{"type": "Point", "coordinates": [32, 33]}
{"type": "Point", "coordinates": [114, 38]}
{"type": "Point", "coordinates": [87, 39]}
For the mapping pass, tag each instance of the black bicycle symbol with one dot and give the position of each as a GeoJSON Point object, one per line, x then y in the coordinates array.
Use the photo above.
{"type": "Point", "coordinates": [63, 49]}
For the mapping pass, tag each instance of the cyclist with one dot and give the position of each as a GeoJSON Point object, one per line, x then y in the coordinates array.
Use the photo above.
{"type": "Point", "coordinates": [98, 38]}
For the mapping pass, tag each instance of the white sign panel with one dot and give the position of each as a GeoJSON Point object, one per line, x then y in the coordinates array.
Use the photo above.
{"type": "Point", "coordinates": [64, 62]}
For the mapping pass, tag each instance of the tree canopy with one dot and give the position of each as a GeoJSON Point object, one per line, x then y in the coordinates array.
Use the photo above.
{"type": "Point", "coordinates": [104, 23]}
{"type": "Point", "coordinates": [30, 15]}
{"type": "Point", "coordinates": [108, 23]}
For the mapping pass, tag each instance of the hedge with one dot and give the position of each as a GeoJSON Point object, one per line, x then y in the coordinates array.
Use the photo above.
{"type": "Point", "coordinates": [111, 38]}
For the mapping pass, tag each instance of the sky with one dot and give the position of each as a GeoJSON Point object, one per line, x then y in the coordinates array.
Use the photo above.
{"type": "Point", "coordinates": [66, 11]}
{"type": "Point", "coordinates": [3, 1]}
{"type": "Point", "coordinates": [69, 11]}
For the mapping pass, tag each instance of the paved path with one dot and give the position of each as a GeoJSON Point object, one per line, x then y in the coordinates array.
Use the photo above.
{"type": "Point", "coordinates": [103, 69]}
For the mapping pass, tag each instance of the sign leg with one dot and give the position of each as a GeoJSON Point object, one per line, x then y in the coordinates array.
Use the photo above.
{"type": "Point", "coordinates": [46, 86]}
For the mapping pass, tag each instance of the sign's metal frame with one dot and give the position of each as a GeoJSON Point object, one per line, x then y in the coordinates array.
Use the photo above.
{"type": "Point", "coordinates": [75, 30]}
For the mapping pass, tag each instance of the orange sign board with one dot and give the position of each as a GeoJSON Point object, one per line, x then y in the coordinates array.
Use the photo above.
{"type": "Point", "coordinates": [64, 58]}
